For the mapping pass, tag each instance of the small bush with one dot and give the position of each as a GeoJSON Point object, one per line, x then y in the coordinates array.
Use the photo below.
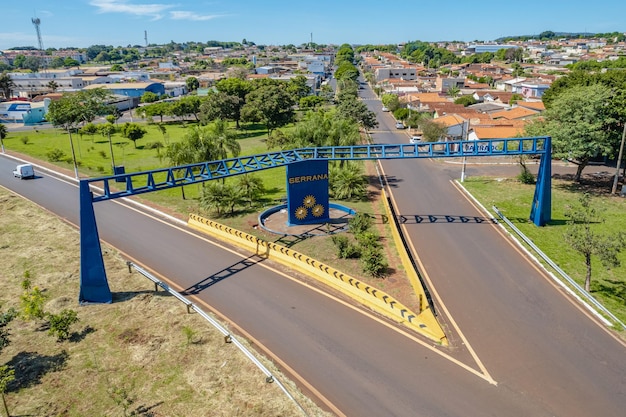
{"type": "Point", "coordinates": [55, 155]}
{"type": "Point", "coordinates": [61, 323]}
{"type": "Point", "coordinates": [373, 262]}
{"type": "Point", "coordinates": [103, 154]}
{"type": "Point", "coordinates": [526, 177]}
{"type": "Point", "coordinates": [369, 240]}
{"type": "Point", "coordinates": [345, 249]}
{"type": "Point", "coordinates": [360, 223]}
{"type": "Point", "coordinates": [25, 140]}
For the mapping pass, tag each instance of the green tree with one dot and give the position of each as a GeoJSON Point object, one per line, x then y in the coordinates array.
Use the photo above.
{"type": "Point", "coordinates": [149, 97]}
{"type": "Point", "coordinates": [71, 62]}
{"type": "Point", "coordinates": [298, 88]}
{"type": "Point", "coordinates": [133, 131]}
{"type": "Point", "coordinates": [60, 324]}
{"type": "Point", "coordinates": [224, 140]}
{"type": "Point", "coordinates": [432, 131]}
{"type": "Point", "coordinates": [200, 144]}
{"type": "Point", "coordinates": [18, 61]}
{"type": "Point", "coordinates": [579, 121]}
{"type": "Point", "coordinates": [187, 106]}
{"type": "Point", "coordinates": [52, 85]}
{"type": "Point", "coordinates": [6, 376]}
{"type": "Point", "coordinates": [6, 85]}
{"type": "Point", "coordinates": [219, 105]}
{"type": "Point", "coordinates": [467, 100]}
{"type": "Point", "coordinates": [32, 63]}
{"type": "Point", "coordinates": [311, 102]}
{"type": "Point", "coordinates": [235, 87]}
{"type": "Point", "coordinates": [73, 109]}
{"type": "Point", "coordinates": [56, 62]}
{"type": "Point", "coordinates": [391, 101]}
{"type": "Point", "coordinates": [270, 104]}
{"type": "Point", "coordinates": [584, 239]}
{"type": "Point", "coordinates": [251, 187]}
{"type": "Point", "coordinates": [89, 129]}
{"type": "Point", "coordinates": [220, 197]}
{"type": "Point", "coordinates": [192, 83]}
{"type": "Point", "coordinates": [453, 91]}
{"type": "Point", "coordinates": [155, 109]}
{"type": "Point", "coordinates": [357, 110]}
{"type": "Point", "coordinates": [32, 302]}
{"type": "Point", "coordinates": [3, 134]}
{"type": "Point", "coordinates": [347, 182]}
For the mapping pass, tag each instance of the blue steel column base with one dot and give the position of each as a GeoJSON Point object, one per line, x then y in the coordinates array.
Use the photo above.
{"type": "Point", "coordinates": [94, 287]}
{"type": "Point", "coordinates": [541, 211]}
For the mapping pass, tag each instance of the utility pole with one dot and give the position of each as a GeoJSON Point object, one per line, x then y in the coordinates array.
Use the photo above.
{"type": "Point", "coordinates": [619, 161]}
{"type": "Point", "coordinates": [464, 137]}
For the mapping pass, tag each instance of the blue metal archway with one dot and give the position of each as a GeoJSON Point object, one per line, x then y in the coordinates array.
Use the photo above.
{"type": "Point", "coordinates": [94, 286]}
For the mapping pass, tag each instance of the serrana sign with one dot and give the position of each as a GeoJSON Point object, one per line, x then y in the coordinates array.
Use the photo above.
{"type": "Point", "coordinates": [307, 192]}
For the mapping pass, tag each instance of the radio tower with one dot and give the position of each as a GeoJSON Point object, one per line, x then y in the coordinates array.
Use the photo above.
{"type": "Point", "coordinates": [145, 36]}
{"type": "Point", "coordinates": [37, 22]}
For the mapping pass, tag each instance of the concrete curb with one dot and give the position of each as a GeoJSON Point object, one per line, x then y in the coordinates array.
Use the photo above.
{"type": "Point", "coordinates": [374, 298]}
{"type": "Point", "coordinates": [426, 315]}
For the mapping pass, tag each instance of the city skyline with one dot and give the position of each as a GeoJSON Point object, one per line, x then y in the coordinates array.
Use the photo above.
{"type": "Point", "coordinates": [82, 23]}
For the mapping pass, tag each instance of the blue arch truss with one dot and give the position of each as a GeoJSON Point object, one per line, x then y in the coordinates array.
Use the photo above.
{"type": "Point", "coordinates": [94, 285]}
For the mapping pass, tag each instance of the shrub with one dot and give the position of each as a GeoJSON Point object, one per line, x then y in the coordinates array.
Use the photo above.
{"type": "Point", "coordinates": [369, 240]}
{"type": "Point", "coordinates": [373, 262]}
{"type": "Point", "coordinates": [55, 155]}
{"type": "Point", "coordinates": [360, 223]}
{"type": "Point", "coordinates": [61, 323]}
{"type": "Point", "coordinates": [345, 249]}
{"type": "Point", "coordinates": [25, 140]}
{"type": "Point", "coordinates": [103, 154]}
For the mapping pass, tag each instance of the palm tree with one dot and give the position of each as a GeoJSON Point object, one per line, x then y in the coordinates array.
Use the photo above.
{"type": "Point", "coordinates": [347, 182]}
{"type": "Point", "coordinates": [454, 91]}
{"type": "Point", "coordinates": [224, 140]}
{"type": "Point", "coordinates": [6, 85]}
{"type": "Point", "coordinates": [250, 186]}
{"type": "Point", "coordinates": [52, 85]}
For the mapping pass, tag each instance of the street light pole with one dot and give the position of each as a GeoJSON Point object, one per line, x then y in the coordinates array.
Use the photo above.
{"type": "Point", "coordinates": [619, 161]}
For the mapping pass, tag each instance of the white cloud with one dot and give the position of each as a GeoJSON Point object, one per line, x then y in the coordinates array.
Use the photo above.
{"type": "Point", "coordinates": [122, 6]}
{"type": "Point", "coordinates": [185, 15]}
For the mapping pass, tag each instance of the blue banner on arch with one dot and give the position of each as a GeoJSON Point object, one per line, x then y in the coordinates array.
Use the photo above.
{"type": "Point", "coordinates": [307, 192]}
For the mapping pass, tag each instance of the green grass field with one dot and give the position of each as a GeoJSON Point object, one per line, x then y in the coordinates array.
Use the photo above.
{"type": "Point", "coordinates": [514, 200]}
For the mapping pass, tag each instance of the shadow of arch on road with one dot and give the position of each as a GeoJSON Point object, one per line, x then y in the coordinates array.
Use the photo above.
{"type": "Point", "coordinates": [227, 272]}
{"type": "Point", "coordinates": [443, 218]}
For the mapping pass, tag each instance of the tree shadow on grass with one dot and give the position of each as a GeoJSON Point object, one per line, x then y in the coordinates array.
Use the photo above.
{"type": "Point", "coordinates": [596, 184]}
{"type": "Point", "coordinates": [77, 337]}
{"type": "Point", "coordinates": [613, 289]}
{"type": "Point", "coordinates": [30, 367]}
{"type": "Point", "coordinates": [146, 411]}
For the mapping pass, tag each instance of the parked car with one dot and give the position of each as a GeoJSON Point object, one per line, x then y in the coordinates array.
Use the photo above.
{"type": "Point", "coordinates": [399, 125]}
{"type": "Point", "coordinates": [385, 108]}
{"type": "Point", "coordinates": [24, 171]}
{"type": "Point", "coordinates": [415, 139]}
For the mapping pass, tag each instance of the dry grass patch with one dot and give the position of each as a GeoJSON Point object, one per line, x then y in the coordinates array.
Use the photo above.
{"type": "Point", "coordinates": [142, 355]}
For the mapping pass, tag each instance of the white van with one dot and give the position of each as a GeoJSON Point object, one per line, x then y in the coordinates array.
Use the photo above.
{"type": "Point", "coordinates": [24, 171]}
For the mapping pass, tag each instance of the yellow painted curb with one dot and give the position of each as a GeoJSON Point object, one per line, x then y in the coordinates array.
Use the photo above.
{"type": "Point", "coordinates": [363, 293]}
{"type": "Point", "coordinates": [426, 314]}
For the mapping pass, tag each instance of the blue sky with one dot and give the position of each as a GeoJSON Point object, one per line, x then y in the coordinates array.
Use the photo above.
{"type": "Point", "coordinates": [82, 23]}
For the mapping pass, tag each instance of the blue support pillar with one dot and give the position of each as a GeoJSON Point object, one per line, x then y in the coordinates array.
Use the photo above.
{"type": "Point", "coordinates": [94, 287]}
{"type": "Point", "coordinates": [541, 211]}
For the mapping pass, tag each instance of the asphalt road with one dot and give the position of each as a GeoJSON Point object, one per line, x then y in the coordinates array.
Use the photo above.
{"type": "Point", "coordinates": [519, 347]}
{"type": "Point", "coordinates": [529, 337]}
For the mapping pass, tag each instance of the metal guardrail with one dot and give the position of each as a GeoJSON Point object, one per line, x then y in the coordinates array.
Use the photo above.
{"type": "Point", "coordinates": [580, 290]}
{"type": "Point", "coordinates": [228, 337]}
